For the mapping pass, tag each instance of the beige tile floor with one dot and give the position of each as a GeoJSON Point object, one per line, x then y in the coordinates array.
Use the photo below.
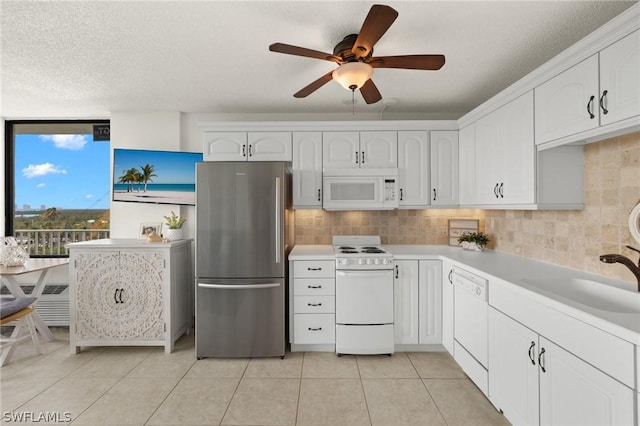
{"type": "Point", "coordinates": [145, 386]}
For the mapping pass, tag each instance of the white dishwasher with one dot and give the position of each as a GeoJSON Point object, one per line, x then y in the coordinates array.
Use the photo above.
{"type": "Point", "coordinates": [470, 325]}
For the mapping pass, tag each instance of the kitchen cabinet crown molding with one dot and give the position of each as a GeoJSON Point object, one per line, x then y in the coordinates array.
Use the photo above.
{"type": "Point", "coordinates": [310, 126]}
{"type": "Point", "coordinates": [620, 26]}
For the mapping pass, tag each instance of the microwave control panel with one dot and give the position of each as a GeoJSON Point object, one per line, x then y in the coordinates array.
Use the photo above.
{"type": "Point", "coordinates": [389, 190]}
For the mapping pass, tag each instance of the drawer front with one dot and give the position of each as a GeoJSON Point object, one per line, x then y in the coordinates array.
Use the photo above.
{"type": "Point", "coordinates": [314, 328]}
{"type": "Point", "coordinates": [314, 304]}
{"type": "Point", "coordinates": [314, 286]}
{"type": "Point", "coordinates": [314, 268]}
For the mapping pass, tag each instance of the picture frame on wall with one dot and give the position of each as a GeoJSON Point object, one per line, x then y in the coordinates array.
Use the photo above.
{"type": "Point", "coordinates": [148, 227]}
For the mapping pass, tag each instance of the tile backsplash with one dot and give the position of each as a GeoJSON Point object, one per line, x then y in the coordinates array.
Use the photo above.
{"type": "Point", "coordinates": [569, 238]}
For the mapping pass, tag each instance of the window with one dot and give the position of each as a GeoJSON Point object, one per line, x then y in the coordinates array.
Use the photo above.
{"type": "Point", "coordinates": [57, 184]}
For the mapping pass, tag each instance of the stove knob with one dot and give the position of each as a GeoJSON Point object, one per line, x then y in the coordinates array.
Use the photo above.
{"type": "Point", "coordinates": [361, 261]}
{"type": "Point", "coordinates": [477, 291]}
{"type": "Point", "coordinates": [344, 261]}
{"type": "Point", "coordinates": [377, 261]}
{"type": "Point", "coordinates": [369, 261]}
{"type": "Point", "coordinates": [384, 261]}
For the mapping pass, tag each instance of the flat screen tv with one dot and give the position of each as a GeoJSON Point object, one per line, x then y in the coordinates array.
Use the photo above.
{"type": "Point", "coordinates": [159, 177]}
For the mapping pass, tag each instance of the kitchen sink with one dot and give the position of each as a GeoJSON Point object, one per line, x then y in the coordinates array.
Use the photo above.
{"type": "Point", "coordinates": [591, 293]}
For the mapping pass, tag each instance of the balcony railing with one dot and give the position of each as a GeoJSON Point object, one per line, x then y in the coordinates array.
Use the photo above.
{"type": "Point", "coordinates": [51, 242]}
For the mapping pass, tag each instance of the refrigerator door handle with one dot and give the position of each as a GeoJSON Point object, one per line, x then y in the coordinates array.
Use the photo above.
{"type": "Point", "coordinates": [238, 287]}
{"type": "Point", "coordinates": [277, 203]}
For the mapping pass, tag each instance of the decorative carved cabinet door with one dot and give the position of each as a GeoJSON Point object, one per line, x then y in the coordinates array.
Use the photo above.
{"type": "Point", "coordinates": [119, 295]}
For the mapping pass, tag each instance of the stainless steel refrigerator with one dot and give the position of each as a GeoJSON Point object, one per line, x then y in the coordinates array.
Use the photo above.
{"type": "Point", "coordinates": [242, 242]}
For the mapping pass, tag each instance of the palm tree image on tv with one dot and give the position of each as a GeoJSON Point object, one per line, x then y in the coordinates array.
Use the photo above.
{"type": "Point", "coordinates": [162, 177]}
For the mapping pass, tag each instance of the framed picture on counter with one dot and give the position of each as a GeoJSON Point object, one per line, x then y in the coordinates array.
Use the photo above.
{"type": "Point", "coordinates": [147, 227]}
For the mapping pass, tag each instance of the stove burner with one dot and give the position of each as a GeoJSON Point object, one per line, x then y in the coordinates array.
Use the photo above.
{"type": "Point", "coordinates": [348, 251]}
{"type": "Point", "coordinates": [372, 250]}
{"type": "Point", "coordinates": [346, 248]}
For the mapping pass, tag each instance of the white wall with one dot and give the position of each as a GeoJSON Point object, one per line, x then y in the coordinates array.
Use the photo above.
{"type": "Point", "coordinates": [158, 131]}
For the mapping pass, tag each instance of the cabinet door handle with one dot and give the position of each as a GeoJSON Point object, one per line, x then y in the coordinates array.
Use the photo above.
{"type": "Point", "coordinates": [434, 194]}
{"type": "Point", "coordinates": [314, 269]}
{"type": "Point", "coordinates": [450, 272]}
{"type": "Point", "coordinates": [495, 190]}
{"type": "Point", "coordinates": [589, 104]}
{"type": "Point", "coordinates": [314, 286]}
{"type": "Point", "coordinates": [531, 353]}
{"type": "Point", "coordinates": [250, 154]}
{"type": "Point", "coordinates": [397, 272]}
{"type": "Point", "coordinates": [604, 110]}
{"type": "Point", "coordinates": [400, 194]}
{"type": "Point", "coordinates": [121, 293]}
{"type": "Point", "coordinates": [314, 304]}
{"type": "Point", "coordinates": [362, 156]}
{"type": "Point", "coordinates": [541, 360]}
{"type": "Point", "coordinates": [244, 150]}
{"type": "Point", "coordinates": [115, 296]}
{"type": "Point", "coordinates": [501, 190]}
{"type": "Point", "coordinates": [356, 157]}
{"type": "Point", "coordinates": [314, 329]}
{"type": "Point", "coordinates": [318, 195]}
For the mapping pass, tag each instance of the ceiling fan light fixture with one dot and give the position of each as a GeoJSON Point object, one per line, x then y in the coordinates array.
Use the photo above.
{"type": "Point", "coordinates": [352, 75]}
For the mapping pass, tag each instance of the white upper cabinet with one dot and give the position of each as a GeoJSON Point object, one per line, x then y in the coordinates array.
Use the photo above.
{"type": "Point", "coordinates": [307, 169]}
{"type": "Point", "coordinates": [348, 150]}
{"type": "Point", "coordinates": [444, 168]}
{"type": "Point", "coordinates": [620, 80]}
{"type": "Point", "coordinates": [247, 146]}
{"type": "Point", "coordinates": [225, 146]}
{"type": "Point", "coordinates": [379, 149]}
{"type": "Point", "coordinates": [505, 154]}
{"type": "Point", "coordinates": [568, 103]}
{"type": "Point", "coordinates": [269, 146]}
{"type": "Point", "coordinates": [467, 164]}
{"type": "Point", "coordinates": [414, 168]}
{"type": "Point", "coordinates": [341, 150]}
{"type": "Point", "coordinates": [601, 90]}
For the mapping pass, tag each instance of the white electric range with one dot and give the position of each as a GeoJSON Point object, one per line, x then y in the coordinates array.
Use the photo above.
{"type": "Point", "coordinates": [364, 296]}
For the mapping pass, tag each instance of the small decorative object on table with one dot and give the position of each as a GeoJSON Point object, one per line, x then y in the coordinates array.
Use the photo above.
{"type": "Point", "coordinates": [152, 237]}
{"type": "Point", "coordinates": [175, 226]}
{"type": "Point", "coordinates": [12, 253]}
{"type": "Point", "coordinates": [473, 241]}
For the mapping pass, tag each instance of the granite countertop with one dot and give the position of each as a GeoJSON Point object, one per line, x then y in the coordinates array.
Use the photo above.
{"type": "Point", "coordinates": [125, 242]}
{"type": "Point", "coordinates": [515, 270]}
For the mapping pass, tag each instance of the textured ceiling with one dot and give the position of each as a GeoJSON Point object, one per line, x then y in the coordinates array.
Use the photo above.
{"type": "Point", "coordinates": [88, 58]}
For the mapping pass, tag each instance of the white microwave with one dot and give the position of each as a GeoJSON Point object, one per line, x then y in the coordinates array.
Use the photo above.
{"type": "Point", "coordinates": [360, 189]}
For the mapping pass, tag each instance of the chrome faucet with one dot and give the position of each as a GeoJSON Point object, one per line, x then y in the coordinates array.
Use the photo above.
{"type": "Point", "coordinates": [618, 258]}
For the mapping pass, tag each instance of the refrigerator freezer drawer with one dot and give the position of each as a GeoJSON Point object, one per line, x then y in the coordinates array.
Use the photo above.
{"type": "Point", "coordinates": [240, 318]}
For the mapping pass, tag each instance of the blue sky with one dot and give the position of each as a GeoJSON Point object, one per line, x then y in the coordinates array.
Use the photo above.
{"type": "Point", "coordinates": [63, 171]}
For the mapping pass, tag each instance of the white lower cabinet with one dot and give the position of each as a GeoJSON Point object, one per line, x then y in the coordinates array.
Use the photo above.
{"type": "Point", "coordinates": [312, 305]}
{"type": "Point", "coordinates": [447, 306]}
{"type": "Point", "coordinates": [128, 293]}
{"type": "Point", "coordinates": [405, 301]}
{"type": "Point", "coordinates": [418, 302]}
{"type": "Point", "coordinates": [535, 381]}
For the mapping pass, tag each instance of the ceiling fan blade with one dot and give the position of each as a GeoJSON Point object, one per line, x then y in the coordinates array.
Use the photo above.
{"type": "Point", "coordinates": [370, 92]}
{"type": "Point", "coordinates": [302, 51]}
{"type": "Point", "coordinates": [306, 91]}
{"type": "Point", "coordinates": [411, 62]}
{"type": "Point", "coordinates": [376, 23]}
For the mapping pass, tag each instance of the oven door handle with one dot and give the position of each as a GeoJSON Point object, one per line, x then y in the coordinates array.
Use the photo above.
{"type": "Point", "coordinates": [362, 273]}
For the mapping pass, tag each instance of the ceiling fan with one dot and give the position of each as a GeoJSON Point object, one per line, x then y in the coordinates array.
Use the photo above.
{"type": "Point", "coordinates": [354, 55]}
